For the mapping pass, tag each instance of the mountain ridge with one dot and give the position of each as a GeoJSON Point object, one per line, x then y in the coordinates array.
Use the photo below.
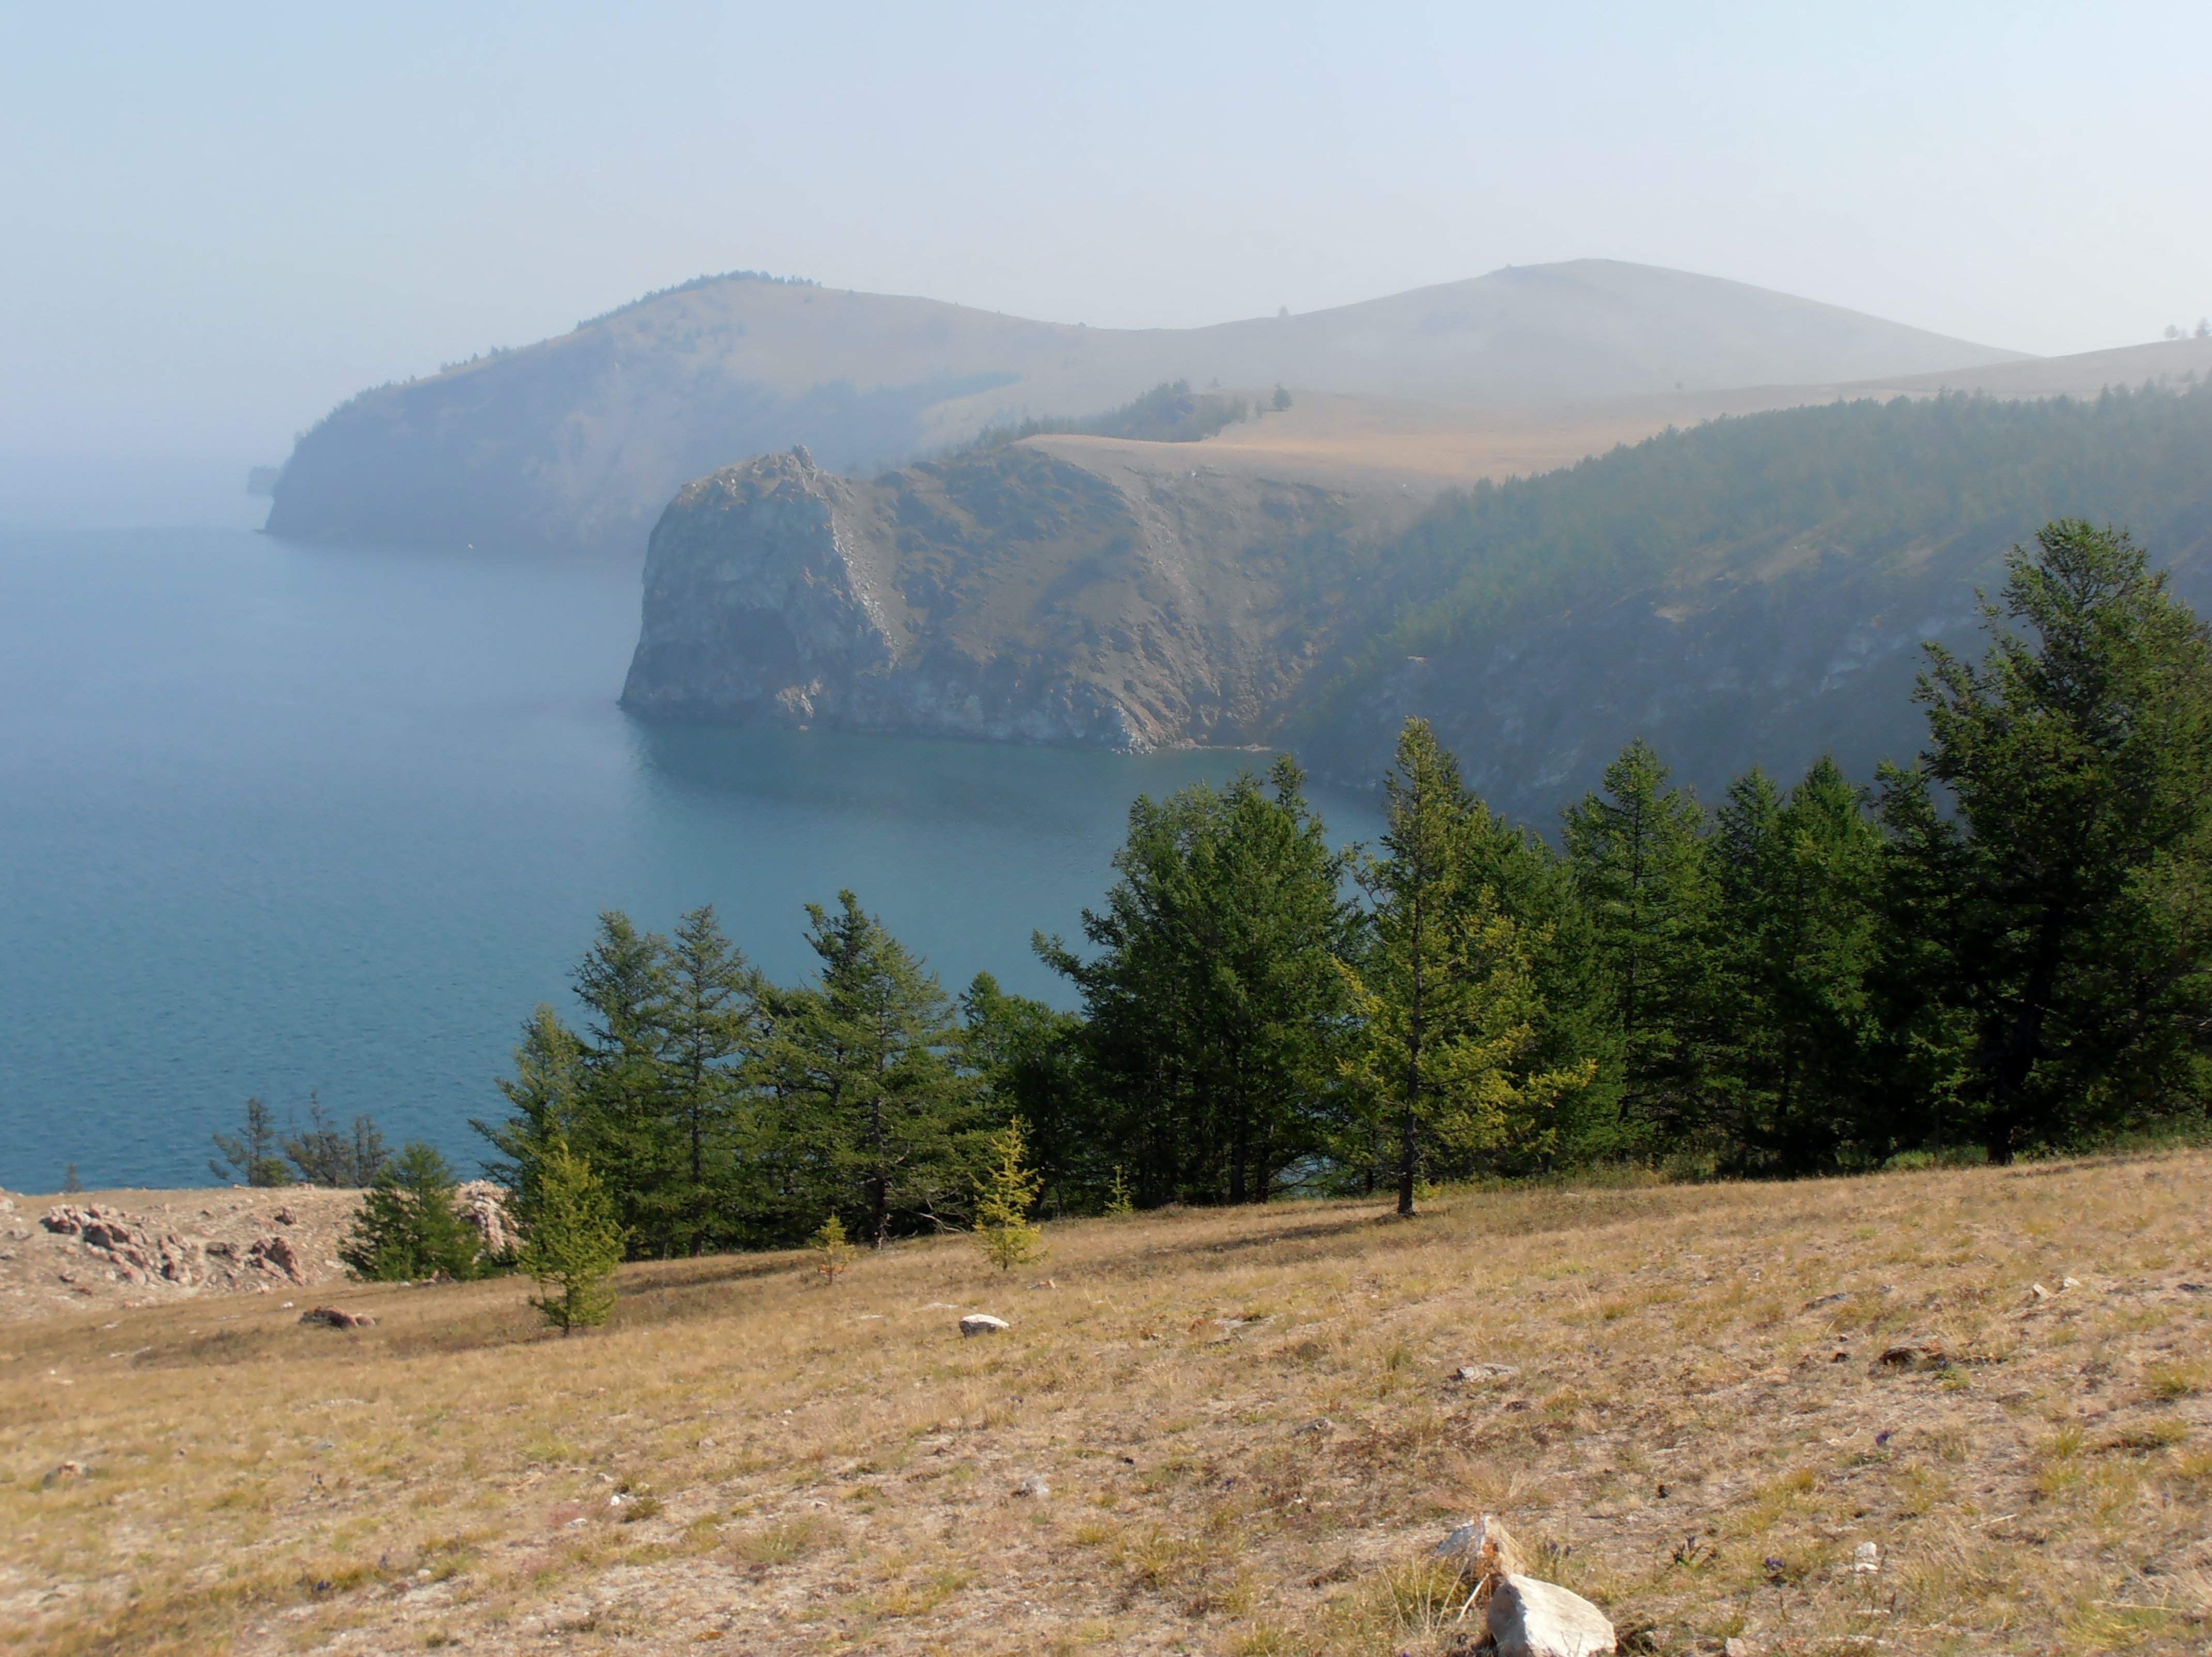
{"type": "Point", "coordinates": [572, 445]}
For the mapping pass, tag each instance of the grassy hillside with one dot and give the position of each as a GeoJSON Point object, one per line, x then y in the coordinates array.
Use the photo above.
{"type": "Point", "coordinates": [1754, 589]}
{"type": "Point", "coordinates": [1250, 1427]}
{"type": "Point", "coordinates": [575, 443]}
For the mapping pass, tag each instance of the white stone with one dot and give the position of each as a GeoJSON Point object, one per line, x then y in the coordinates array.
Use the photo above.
{"type": "Point", "coordinates": [1532, 1618]}
{"type": "Point", "coordinates": [982, 1323]}
{"type": "Point", "coordinates": [1866, 1558]}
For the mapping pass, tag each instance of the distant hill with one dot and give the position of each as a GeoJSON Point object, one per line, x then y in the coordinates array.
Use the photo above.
{"type": "Point", "coordinates": [1756, 588]}
{"type": "Point", "coordinates": [574, 445]}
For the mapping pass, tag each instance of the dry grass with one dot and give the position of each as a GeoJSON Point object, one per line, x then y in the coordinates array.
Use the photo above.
{"type": "Point", "coordinates": [1246, 1421]}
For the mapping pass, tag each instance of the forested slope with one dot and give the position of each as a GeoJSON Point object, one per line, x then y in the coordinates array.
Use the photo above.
{"type": "Point", "coordinates": [1753, 590]}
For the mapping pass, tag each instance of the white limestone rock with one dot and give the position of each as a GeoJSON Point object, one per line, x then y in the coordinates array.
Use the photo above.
{"type": "Point", "coordinates": [1531, 1618]}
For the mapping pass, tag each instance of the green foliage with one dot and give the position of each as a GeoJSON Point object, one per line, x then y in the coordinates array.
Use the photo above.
{"type": "Point", "coordinates": [574, 1243]}
{"type": "Point", "coordinates": [658, 1093]}
{"type": "Point", "coordinates": [327, 1155]}
{"type": "Point", "coordinates": [1444, 992]}
{"type": "Point", "coordinates": [833, 1252]}
{"type": "Point", "coordinates": [879, 1117]}
{"type": "Point", "coordinates": [1281, 399]}
{"type": "Point", "coordinates": [1169, 413]}
{"type": "Point", "coordinates": [1118, 1199]}
{"type": "Point", "coordinates": [1025, 1056]}
{"type": "Point", "coordinates": [71, 1183]}
{"type": "Point", "coordinates": [2060, 916]}
{"type": "Point", "coordinates": [407, 1228]}
{"type": "Point", "coordinates": [1215, 1003]}
{"type": "Point", "coordinates": [253, 1156]}
{"type": "Point", "coordinates": [1637, 852]}
{"type": "Point", "coordinates": [1005, 1195]}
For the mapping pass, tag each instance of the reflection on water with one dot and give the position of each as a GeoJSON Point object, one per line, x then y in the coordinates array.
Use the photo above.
{"type": "Point", "coordinates": [276, 818]}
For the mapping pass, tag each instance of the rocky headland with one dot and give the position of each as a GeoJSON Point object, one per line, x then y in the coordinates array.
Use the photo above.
{"type": "Point", "coordinates": [1078, 591]}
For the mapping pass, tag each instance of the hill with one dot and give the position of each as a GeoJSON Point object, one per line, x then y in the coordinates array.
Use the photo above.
{"type": "Point", "coordinates": [1963, 1410]}
{"type": "Point", "coordinates": [1755, 588]}
{"type": "Point", "coordinates": [575, 444]}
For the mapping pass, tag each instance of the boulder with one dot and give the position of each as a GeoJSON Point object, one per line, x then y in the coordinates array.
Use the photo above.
{"type": "Point", "coordinates": [1531, 1618]}
{"type": "Point", "coordinates": [982, 1323]}
{"type": "Point", "coordinates": [483, 1206]}
{"type": "Point", "coordinates": [1909, 1355]}
{"type": "Point", "coordinates": [337, 1317]}
{"type": "Point", "coordinates": [277, 1256]}
{"type": "Point", "coordinates": [1479, 1548]}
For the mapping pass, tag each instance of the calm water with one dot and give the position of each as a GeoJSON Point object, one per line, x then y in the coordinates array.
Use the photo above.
{"type": "Point", "coordinates": [276, 818]}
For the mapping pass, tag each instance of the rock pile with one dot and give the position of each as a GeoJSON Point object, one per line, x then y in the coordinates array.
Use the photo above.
{"type": "Point", "coordinates": [135, 1251]}
{"type": "Point", "coordinates": [483, 1206]}
{"type": "Point", "coordinates": [337, 1317]}
{"type": "Point", "coordinates": [1522, 1615]}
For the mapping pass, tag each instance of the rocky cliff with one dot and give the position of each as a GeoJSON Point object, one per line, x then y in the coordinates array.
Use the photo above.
{"type": "Point", "coordinates": [1121, 600]}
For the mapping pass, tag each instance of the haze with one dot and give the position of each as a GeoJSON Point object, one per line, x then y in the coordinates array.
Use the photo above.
{"type": "Point", "coordinates": [222, 222]}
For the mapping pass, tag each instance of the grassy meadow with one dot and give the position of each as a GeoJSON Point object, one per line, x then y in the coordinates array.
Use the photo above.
{"type": "Point", "coordinates": [1216, 1431]}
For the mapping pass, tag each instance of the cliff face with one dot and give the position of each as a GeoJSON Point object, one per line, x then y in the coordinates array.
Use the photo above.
{"type": "Point", "coordinates": [1132, 602]}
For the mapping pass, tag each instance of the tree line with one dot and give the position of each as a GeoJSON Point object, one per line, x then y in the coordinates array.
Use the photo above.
{"type": "Point", "coordinates": [2004, 945]}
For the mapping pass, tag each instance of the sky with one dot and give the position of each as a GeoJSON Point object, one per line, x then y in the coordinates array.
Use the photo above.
{"type": "Point", "coordinates": [218, 222]}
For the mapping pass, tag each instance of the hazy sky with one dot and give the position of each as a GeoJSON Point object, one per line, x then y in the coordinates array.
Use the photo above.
{"type": "Point", "coordinates": [217, 221]}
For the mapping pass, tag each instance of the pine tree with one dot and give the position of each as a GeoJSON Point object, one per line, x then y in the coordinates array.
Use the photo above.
{"type": "Point", "coordinates": [407, 1228]}
{"type": "Point", "coordinates": [622, 1121]}
{"type": "Point", "coordinates": [1637, 851]}
{"type": "Point", "coordinates": [1005, 1195]}
{"type": "Point", "coordinates": [1787, 1017]}
{"type": "Point", "coordinates": [1214, 1005]}
{"type": "Point", "coordinates": [865, 1070]}
{"type": "Point", "coordinates": [546, 1094]}
{"type": "Point", "coordinates": [2068, 900]}
{"type": "Point", "coordinates": [1023, 1054]}
{"type": "Point", "coordinates": [253, 1155]}
{"type": "Point", "coordinates": [574, 1243]}
{"type": "Point", "coordinates": [327, 1155]}
{"type": "Point", "coordinates": [1119, 1199]}
{"type": "Point", "coordinates": [711, 1011]}
{"type": "Point", "coordinates": [832, 1250]}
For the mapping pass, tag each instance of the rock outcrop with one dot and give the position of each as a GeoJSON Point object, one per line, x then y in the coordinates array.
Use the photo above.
{"type": "Point", "coordinates": [1132, 601]}
{"type": "Point", "coordinates": [482, 1206]}
{"type": "Point", "coordinates": [132, 1249]}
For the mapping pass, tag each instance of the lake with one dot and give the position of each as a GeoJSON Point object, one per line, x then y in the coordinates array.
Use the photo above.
{"type": "Point", "coordinates": [276, 819]}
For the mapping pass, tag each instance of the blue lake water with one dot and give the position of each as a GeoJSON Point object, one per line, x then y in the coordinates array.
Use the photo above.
{"type": "Point", "coordinates": [276, 818]}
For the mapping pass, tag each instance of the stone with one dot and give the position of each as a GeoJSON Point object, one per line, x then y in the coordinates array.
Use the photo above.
{"type": "Point", "coordinates": [1484, 1371]}
{"type": "Point", "coordinates": [483, 1206]}
{"type": "Point", "coordinates": [1479, 1550]}
{"type": "Point", "coordinates": [285, 1216]}
{"type": "Point", "coordinates": [67, 1473]}
{"type": "Point", "coordinates": [277, 1255]}
{"type": "Point", "coordinates": [337, 1317]}
{"type": "Point", "coordinates": [1526, 1618]}
{"type": "Point", "coordinates": [982, 1323]}
{"type": "Point", "coordinates": [1735, 1645]}
{"type": "Point", "coordinates": [1034, 1487]}
{"type": "Point", "coordinates": [1866, 1559]}
{"type": "Point", "coordinates": [136, 1252]}
{"type": "Point", "coordinates": [1909, 1355]}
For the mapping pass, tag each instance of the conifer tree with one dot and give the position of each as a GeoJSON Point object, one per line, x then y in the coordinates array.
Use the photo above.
{"type": "Point", "coordinates": [711, 1011]}
{"type": "Point", "coordinates": [1637, 851]}
{"type": "Point", "coordinates": [1215, 1003]}
{"type": "Point", "coordinates": [2061, 916]}
{"type": "Point", "coordinates": [1024, 1055]}
{"type": "Point", "coordinates": [1005, 1195]}
{"type": "Point", "coordinates": [1445, 991]}
{"type": "Point", "coordinates": [864, 1062]}
{"type": "Point", "coordinates": [253, 1156]}
{"type": "Point", "coordinates": [574, 1243]}
{"type": "Point", "coordinates": [620, 1127]}
{"type": "Point", "coordinates": [546, 1094]}
{"type": "Point", "coordinates": [407, 1228]}
{"type": "Point", "coordinates": [1788, 1017]}
{"type": "Point", "coordinates": [327, 1155]}
{"type": "Point", "coordinates": [832, 1249]}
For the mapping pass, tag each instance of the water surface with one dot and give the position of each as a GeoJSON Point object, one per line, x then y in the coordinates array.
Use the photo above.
{"type": "Point", "coordinates": [277, 818]}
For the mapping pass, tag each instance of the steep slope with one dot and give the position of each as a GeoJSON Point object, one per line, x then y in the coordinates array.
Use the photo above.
{"type": "Point", "coordinates": [1755, 589]}
{"type": "Point", "coordinates": [1116, 598]}
{"type": "Point", "coordinates": [575, 444]}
